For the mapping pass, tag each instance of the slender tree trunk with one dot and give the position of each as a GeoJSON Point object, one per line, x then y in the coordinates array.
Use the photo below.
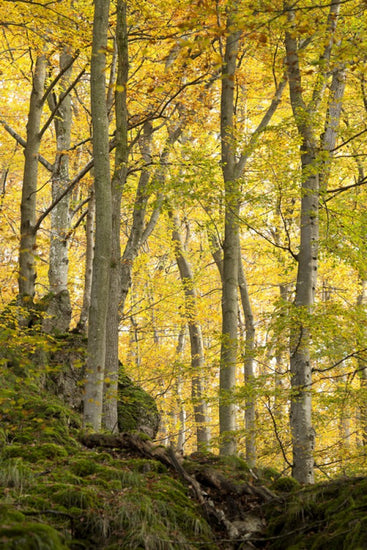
{"type": "Point", "coordinates": [181, 435]}
{"type": "Point", "coordinates": [93, 394]}
{"type": "Point", "coordinates": [89, 254]}
{"type": "Point", "coordinates": [60, 215]}
{"type": "Point", "coordinates": [228, 355]}
{"type": "Point", "coordinates": [118, 182]}
{"type": "Point", "coordinates": [303, 434]}
{"type": "Point", "coordinates": [58, 314]}
{"type": "Point", "coordinates": [362, 364]}
{"type": "Point", "coordinates": [196, 338]}
{"type": "Point", "coordinates": [27, 271]}
{"type": "Point", "coordinates": [249, 368]}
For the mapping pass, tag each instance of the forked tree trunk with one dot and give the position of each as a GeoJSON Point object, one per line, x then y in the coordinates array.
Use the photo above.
{"type": "Point", "coordinates": [93, 394]}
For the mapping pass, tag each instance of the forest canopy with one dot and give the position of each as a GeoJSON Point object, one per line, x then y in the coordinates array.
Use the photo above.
{"type": "Point", "coordinates": [184, 183]}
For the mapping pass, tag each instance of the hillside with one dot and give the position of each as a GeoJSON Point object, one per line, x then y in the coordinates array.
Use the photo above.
{"type": "Point", "coordinates": [62, 488]}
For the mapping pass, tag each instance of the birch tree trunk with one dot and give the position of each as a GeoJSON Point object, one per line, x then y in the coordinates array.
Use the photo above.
{"type": "Point", "coordinates": [93, 394]}
{"type": "Point", "coordinates": [118, 182]}
{"type": "Point", "coordinates": [27, 271]}
{"type": "Point", "coordinates": [196, 338]}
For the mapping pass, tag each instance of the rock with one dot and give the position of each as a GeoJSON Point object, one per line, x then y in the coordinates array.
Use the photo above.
{"type": "Point", "coordinates": [137, 410]}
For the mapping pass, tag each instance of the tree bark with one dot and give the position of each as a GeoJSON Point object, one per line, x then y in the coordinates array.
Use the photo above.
{"type": "Point", "coordinates": [196, 338]}
{"type": "Point", "coordinates": [89, 255]}
{"type": "Point", "coordinates": [93, 394]}
{"type": "Point", "coordinates": [231, 247]}
{"type": "Point", "coordinates": [362, 364]}
{"type": "Point", "coordinates": [118, 182]}
{"type": "Point", "coordinates": [27, 271]}
{"type": "Point", "coordinates": [58, 314]}
{"type": "Point", "coordinates": [313, 171]}
{"type": "Point", "coordinates": [249, 368]}
{"type": "Point", "coordinates": [60, 215]}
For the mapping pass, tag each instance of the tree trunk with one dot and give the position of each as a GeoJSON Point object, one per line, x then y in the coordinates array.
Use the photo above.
{"type": "Point", "coordinates": [89, 254]}
{"type": "Point", "coordinates": [93, 394]}
{"type": "Point", "coordinates": [362, 363]}
{"type": "Point", "coordinates": [228, 355]}
{"type": "Point", "coordinates": [249, 368]}
{"type": "Point", "coordinates": [27, 271]}
{"type": "Point", "coordinates": [58, 315]}
{"type": "Point", "coordinates": [303, 434]}
{"type": "Point", "coordinates": [196, 338]}
{"type": "Point", "coordinates": [60, 215]}
{"type": "Point", "coordinates": [118, 182]}
{"type": "Point", "coordinates": [181, 432]}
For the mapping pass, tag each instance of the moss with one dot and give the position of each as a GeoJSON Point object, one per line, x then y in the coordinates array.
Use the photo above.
{"type": "Point", "coordinates": [234, 463]}
{"type": "Point", "coordinates": [83, 467]}
{"type": "Point", "coordinates": [160, 515]}
{"type": "Point", "coordinates": [270, 474]}
{"type": "Point", "coordinates": [9, 515]}
{"type": "Point", "coordinates": [30, 536]}
{"type": "Point", "coordinates": [14, 473]}
{"type": "Point", "coordinates": [125, 476]}
{"type": "Point", "coordinates": [36, 453]}
{"type": "Point", "coordinates": [285, 484]}
{"type": "Point", "coordinates": [77, 496]}
{"type": "Point", "coordinates": [144, 465]}
{"type": "Point", "coordinates": [321, 517]}
{"type": "Point", "coordinates": [34, 502]}
{"type": "Point", "coordinates": [137, 410]}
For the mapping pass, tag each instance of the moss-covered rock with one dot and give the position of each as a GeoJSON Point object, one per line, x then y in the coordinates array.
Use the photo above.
{"type": "Point", "coordinates": [321, 517]}
{"type": "Point", "coordinates": [137, 410]}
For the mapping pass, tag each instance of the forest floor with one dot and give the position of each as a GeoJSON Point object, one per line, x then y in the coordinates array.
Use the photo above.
{"type": "Point", "coordinates": [62, 488]}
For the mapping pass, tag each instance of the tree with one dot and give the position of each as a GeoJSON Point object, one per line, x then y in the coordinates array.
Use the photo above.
{"type": "Point", "coordinates": [196, 337]}
{"type": "Point", "coordinates": [27, 272]}
{"type": "Point", "coordinates": [314, 174]}
{"type": "Point", "coordinates": [118, 180]}
{"type": "Point", "coordinates": [96, 352]}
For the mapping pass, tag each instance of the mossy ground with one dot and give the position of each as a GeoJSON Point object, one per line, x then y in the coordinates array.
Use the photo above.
{"type": "Point", "coordinates": [58, 495]}
{"type": "Point", "coordinates": [55, 494]}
